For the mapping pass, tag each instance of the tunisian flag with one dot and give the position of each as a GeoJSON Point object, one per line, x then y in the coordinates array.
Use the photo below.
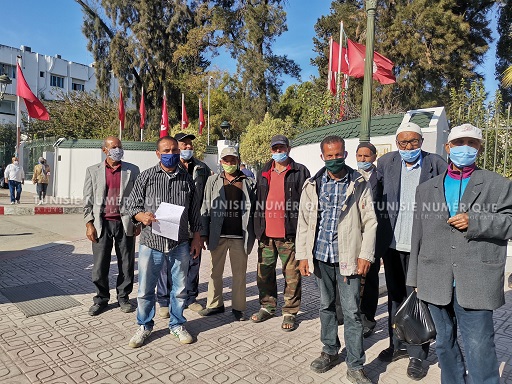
{"type": "Point", "coordinates": [201, 117]}
{"type": "Point", "coordinates": [184, 117]}
{"type": "Point", "coordinates": [382, 66]}
{"type": "Point", "coordinates": [142, 110]}
{"type": "Point", "coordinates": [336, 65]}
{"type": "Point", "coordinates": [164, 123]}
{"type": "Point", "coordinates": [35, 108]}
{"type": "Point", "coordinates": [121, 109]}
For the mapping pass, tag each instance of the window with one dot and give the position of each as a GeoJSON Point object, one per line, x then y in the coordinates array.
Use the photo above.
{"type": "Point", "coordinates": [56, 81]}
{"type": "Point", "coordinates": [77, 87]}
{"type": "Point", "coordinates": [41, 74]}
{"type": "Point", "coordinates": [9, 70]}
{"type": "Point", "coordinates": [7, 107]}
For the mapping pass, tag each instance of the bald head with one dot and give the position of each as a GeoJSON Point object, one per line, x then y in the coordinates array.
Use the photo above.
{"type": "Point", "coordinates": [111, 142]}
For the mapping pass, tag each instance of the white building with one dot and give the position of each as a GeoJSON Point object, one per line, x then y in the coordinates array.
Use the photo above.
{"type": "Point", "coordinates": [46, 76]}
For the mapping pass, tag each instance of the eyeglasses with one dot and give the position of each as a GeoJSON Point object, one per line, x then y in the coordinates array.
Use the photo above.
{"type": "Point", "coordinates": [403, 143]}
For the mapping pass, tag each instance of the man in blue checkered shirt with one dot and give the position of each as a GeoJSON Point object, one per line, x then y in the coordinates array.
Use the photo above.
{"type": "Point", "coordinates": [335, 241]}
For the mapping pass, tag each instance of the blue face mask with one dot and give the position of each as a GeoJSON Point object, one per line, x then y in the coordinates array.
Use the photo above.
{"type": "Point", "coordinates": [463, 155]}
{"type": "Point", "coordinates": [170, 160]}
{"type": "Point", "coordinates": [280, 157]}
{"type": "Point", "coordinates": [186, 154]}
{"type": "Point", "coordinates": [364, 165]}
{"type": "Point", "coordinates": [410, 156]}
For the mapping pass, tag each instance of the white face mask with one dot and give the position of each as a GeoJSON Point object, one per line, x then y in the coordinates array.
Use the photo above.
{"type": "Point", "coordinates": [16, 162]}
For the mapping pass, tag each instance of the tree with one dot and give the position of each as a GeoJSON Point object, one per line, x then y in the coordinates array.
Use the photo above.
{"type": "Point", "coordinates": [504, 50]}
{"type": "Point", "coordinates": [7, 142]}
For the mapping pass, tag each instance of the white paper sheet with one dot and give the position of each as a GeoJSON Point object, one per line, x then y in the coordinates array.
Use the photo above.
{"type": "Point", "coordinates": [168, 224]}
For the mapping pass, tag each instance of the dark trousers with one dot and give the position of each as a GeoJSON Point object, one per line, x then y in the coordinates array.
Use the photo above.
{"type": "Point", "coordinates": [369, 298]}
{"type": "Point", "coordinates": [15, 186]}
{"type": "Point", "coordinates": [477, 332]}
{"type": "Point", "coordinates": [163, 287]}
{"type": "Point", "coordinates": [330, 281]}
{"type": "Point", "coordinates": [113, 234]}
{"type": "Point", "coordinates": [395, 270]}
{"type": "Point", "coordinates": [41, 190]}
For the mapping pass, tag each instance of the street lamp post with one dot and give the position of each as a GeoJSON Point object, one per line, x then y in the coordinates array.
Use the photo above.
{"type": "Point", "coordinates": [209, 79]}
{"type": "Point", "coordinates": [366, 109]}
{"type": "Point", "coordinates": [4, 82]}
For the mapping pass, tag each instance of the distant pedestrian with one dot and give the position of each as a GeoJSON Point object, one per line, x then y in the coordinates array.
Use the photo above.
{"type": "Point", "coordinates": [2, 173]}
{"type": "Point", "coordinates": [200, 173]}
{"type": "Point", "coordinates": [15, 177]}
{"type": "Point", "coordinates": [246, 171]}
{"type": "Point", "coordinates": [40, 177]}
{"type": "Point", "coordinates": [166, 182]}
{"type": "Point", "coordinates": [106, 188]}
{"type": "Point", "coordinates": [458, 254]}
{"type": "Point", "coordinates": [227, 218]}
{"type": "Point", "coordinates": [279, 185]}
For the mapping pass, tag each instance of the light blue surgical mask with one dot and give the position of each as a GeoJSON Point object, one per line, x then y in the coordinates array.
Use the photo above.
{"type": "Point", "coordinates": [410, 156]}
{"type": "Point", "coordinates": [280, 157]}
{"type": "Point", "coordinates": [186, 154]}
{"type": "Point", "coordinates": [364, 165]}
{"type": "Point", "coordinates": [463, 155]}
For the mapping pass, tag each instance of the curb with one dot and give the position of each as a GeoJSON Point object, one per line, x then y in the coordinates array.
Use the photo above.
{"type": "Point", "coordinates": [16, 210]}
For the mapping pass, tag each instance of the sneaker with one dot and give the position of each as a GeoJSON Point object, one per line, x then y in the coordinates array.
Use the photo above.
{"type": "Point", "coordinates": [195, 306]}
{"type": "Point", "coordinates": [96, 309]}
{"type": "Point", "coordinates": [126, 306]}
{"type": "Point", "coordinates": [40, 202]}
{"type": "Point", "coordinates": [324, 362]}
{"type": "Point", "coordinates": [358, 377]}
{"type": "Point", "coordinates": [140, 336]}
{"type": "Point", "coordinates": [12, 202]}
{"type": "Point", "coordinates": [211, 311]}
{"type": "Point", "coordinates": [163, 312]}
{"type": "Point", "coordinates": [182, 334]}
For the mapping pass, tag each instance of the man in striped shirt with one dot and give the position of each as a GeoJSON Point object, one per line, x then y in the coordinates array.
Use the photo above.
{"type": "Point", "coordinates": [165, 182]}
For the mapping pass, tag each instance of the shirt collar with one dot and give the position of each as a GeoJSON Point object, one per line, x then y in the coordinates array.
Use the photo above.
{"type": "Point", "coordinates": [326, 178]}
{"type": "Point", "coordinates": [113, 168]}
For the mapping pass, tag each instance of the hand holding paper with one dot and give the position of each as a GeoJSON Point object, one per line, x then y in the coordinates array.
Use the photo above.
{"type": "Point", "coordinates": [168, 224]}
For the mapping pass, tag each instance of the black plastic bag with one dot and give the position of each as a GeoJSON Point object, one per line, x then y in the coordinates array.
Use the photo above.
{"type": "Point", "coordinates": [413, 322]}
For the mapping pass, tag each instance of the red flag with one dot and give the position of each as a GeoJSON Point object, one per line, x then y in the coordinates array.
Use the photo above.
{"type": "Point", "coordinates": [201, 117]}
{"type": "Point", "coordinates": [184, 117]}
{"type": "Point", "coordinates": [35, 108]}
{"type": "Point", "coordinates": [334, 55]}
{"type": "Point", "coordinates": [382, 66]}
{"type": "Point", "coordinates": [142, 110]}
{"type": "Point", "coordinates": [121, 109]}
{"type": "Point", "coordinates": [164, 123]}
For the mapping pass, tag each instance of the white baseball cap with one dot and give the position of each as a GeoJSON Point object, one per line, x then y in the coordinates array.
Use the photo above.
{"type": "Point", "coordinates": [465, 130]}
{"type": "Point", "coordinates": [409, 127]}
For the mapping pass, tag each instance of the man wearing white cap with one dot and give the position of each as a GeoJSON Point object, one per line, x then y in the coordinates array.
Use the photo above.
{"type": "Point", "coordinates": [458, 254]}
{"type": "Point", "coordinates": [399, 173]}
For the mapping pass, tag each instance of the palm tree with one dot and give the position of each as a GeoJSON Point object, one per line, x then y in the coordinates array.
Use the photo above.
{"type": "Point", "coordinates": [506, 81]}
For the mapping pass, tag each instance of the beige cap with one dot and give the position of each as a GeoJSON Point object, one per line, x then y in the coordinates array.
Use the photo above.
{"type": "Point", "coordinates": [465, 130]}
{"type": "Point", "coordinates": [229, 151]}
{"type": "Point", "coordinates": [409, 127]}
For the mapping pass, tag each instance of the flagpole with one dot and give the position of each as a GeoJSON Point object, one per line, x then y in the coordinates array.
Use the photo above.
{"type": "Point", "coordinates": [338, 80]}
{"type": "Point", "coordinates": [182, 105]}
{"type": "Point", "coordinates": [329, 72]}
{"type": "Point", "coordinates": [120, 123]}
{"type": "Point", "coordinates": [210, 78]}
{"type": "Point", "coordinates": [140, 108]}
{"type": "Point", "coordinates": [366, 108]}
{"type": "Point", "coordinates": [18, 116]}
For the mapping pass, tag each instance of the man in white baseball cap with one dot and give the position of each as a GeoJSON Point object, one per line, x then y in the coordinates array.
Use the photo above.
{"type": "Point", "coordinates": [458, 255]}
{"type": "Point", "coordinates": [399, 173]}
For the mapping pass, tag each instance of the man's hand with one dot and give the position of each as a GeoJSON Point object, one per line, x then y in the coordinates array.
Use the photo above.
{"type": "Point", "coordinates": [146, 218]}
{"type": "Point", "coordinates": [136, 230]}
{"type": "Point", "coordinates": [195, 246]}
{"type": "Point", "coordinates": [91, 232]}
{"type": "Point", "coordinates": [363, 266]}
{"type": "Point", "coordinates": [204, 242]}
{"type": "Point", "coordinates": [304, 268]}
{"type": "Point", "coordinates": [460, 221]}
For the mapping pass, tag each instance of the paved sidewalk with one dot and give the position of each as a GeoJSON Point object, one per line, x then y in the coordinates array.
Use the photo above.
{"type": "Point", "coordinates": [29, 205]}
{"type": "Point", "coordinates": [69, 346]}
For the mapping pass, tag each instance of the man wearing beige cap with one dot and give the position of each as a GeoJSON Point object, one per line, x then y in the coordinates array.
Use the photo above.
{"type": "Point", "coordinates": [458, 254]}
{"type": "Point", "coordinates": [399, 173]}
{"type": "Point", "coordinates": [227, 220]}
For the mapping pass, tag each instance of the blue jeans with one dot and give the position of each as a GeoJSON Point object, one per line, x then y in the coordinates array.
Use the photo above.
{"type": "Point", "coordinates": [15, 186]}
{"type": "Point", "coordinates": [150, 265]}
{"type": "Point", "coordinates": [329, 279]}
{"type": "Point", "coordinates": [477, 331]}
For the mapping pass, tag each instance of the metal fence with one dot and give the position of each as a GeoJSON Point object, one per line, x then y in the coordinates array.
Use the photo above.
{"type": "Point", "coordinates": [33, 150]}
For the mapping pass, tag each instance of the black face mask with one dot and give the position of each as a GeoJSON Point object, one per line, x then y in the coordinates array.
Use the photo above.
{"type": "Point", "coordinates": [335, 166]}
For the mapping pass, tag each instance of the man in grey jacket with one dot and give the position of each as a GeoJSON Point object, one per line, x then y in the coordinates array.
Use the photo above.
{"type": "Point", "coordinates": [107, 186]}
{"type": "Point", "coordinates": [458, 253]}
{"type": "Point", "coordinates": [335, 240]}
{"type": "Point", "coordinates": [227, 219]}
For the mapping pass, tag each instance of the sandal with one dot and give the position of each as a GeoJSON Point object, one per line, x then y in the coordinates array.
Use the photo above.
{"type": "Point", "coordinates": [261, 315]}
{"type": "Point", "coordinates": [288, 320]}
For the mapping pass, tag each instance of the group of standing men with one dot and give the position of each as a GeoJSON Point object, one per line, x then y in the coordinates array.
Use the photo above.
{"type": "Point", "coordinates": [336, 225]}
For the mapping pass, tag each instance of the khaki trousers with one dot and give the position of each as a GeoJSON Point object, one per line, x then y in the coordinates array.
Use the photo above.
{"type": "Point", "coordinates": [238, 259]}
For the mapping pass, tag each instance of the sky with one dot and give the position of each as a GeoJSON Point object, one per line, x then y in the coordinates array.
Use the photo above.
{"type": "Point", "coordinates": [54, 27]}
